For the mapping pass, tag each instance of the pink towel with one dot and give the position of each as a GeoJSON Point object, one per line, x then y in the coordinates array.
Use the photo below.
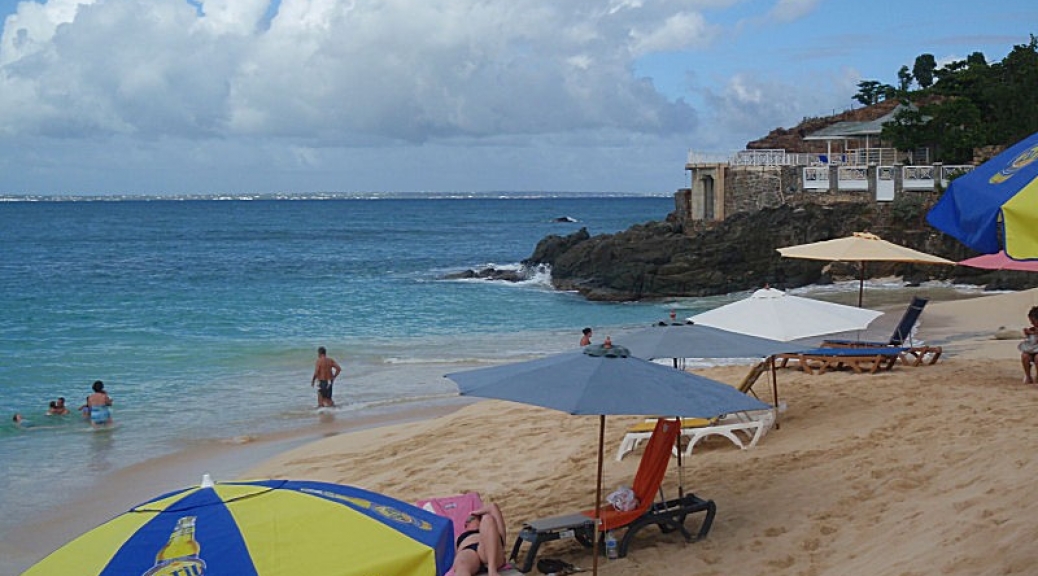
{"type": "Point", "coordinates": [457, 508]}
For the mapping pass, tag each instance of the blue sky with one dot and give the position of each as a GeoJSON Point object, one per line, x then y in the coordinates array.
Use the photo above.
{"type": "Point", "coordinates": [261, 96]}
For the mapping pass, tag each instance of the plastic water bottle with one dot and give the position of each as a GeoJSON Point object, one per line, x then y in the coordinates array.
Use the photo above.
{"type": "Point", "coordinates": [612, 551]}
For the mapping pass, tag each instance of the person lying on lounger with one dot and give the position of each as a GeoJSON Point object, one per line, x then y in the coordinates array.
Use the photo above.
{"type": "Point", "coordinates": [482, 545]}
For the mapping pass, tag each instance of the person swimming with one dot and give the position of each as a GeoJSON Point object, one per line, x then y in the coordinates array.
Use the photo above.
{"type": "Point", "coordinates": [57, 408]}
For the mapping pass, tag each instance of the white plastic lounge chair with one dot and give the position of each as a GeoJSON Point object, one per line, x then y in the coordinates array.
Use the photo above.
{"type": "Point", "coordinates": [752, 425]}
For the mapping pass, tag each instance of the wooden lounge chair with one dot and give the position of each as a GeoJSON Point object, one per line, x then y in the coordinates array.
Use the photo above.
{"type": "Point", "coordinates": [911, 354]}
{"type": "Point", "coordinates": [668, 515]}
{"type": "Point", "coordinates": [860, 360]}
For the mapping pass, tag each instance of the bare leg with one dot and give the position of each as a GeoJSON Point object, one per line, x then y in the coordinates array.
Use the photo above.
{"type": "Point", "coordinates": [1027, 359]}
{"type": "Point", "coordinates": [466, 563]}
{"type": "Point", "coordinates": [491, 539]}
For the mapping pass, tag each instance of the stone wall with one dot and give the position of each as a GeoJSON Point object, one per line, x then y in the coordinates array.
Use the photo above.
{"type": "Point", "coordinates": [720, 191]}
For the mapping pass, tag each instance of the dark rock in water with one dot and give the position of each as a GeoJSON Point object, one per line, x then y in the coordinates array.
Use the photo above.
{"type": "Point", "coordinates": [489, 273]}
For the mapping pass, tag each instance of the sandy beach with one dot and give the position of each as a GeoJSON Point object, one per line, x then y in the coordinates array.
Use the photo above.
{"type": "Point", "coordinates": [914, 471]}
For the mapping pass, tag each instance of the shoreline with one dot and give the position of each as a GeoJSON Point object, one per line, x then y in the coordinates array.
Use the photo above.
{"type": "Point", "coordinates": [229, 459]}
{"type": "Point", "coordinates": [342, 449]}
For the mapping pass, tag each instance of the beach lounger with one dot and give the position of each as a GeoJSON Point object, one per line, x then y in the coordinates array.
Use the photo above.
{"type": "Point", "coordinates": [911, 354]}
{"type": "Point", "coordinates": [752, 425]}
{"type": "Point", "coordinates": [860, 360]}
{"type": "Point", "coordinates": [668, 515]}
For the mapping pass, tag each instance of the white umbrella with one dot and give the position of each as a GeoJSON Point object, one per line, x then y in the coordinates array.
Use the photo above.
{"type": "Point", "coordinates": [770, 313]}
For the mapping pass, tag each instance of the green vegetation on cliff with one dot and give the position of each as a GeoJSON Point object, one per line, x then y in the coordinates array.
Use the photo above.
{"type": "Point", "coordinates": [964, 105]}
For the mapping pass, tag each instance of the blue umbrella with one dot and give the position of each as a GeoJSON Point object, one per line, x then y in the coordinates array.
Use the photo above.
{"type": "Point", "coordinates": [691, 340]}
{"type": "Point", "coordinates": [604, 380]}
{"type": "Point", "coordinates": [995, 205]}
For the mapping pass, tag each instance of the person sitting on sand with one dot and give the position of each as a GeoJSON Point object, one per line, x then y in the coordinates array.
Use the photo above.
{"type": "Point", "coordinates": [1029, 347]}
{"type": "Point", "coordinates": [482, 545]}
{"type": "Point", "coordinates": [99, 405]}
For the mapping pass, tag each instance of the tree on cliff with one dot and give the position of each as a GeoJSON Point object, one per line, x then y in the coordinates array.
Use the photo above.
{"type": "Point", "coordinates": [968, 104]}
{"type": "Point", "coordinates": [923, 70]}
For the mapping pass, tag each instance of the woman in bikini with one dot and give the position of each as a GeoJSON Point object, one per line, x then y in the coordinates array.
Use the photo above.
{"type": "Point", "coordinates": [482, 545]}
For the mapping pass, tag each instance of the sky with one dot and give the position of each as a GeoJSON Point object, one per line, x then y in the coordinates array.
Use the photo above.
{"type": "Point", "coordinates": [173, 97]}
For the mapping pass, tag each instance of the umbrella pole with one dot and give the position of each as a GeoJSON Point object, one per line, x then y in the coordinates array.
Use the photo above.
{"type": "Point", "coordinates": [861, 284]}
{"type": "Point", "coordinates": [598, 494]}
{"type": "Point", "coordinates": [774, 389]}
{"type": "Point", "coordinates": [681, 467]}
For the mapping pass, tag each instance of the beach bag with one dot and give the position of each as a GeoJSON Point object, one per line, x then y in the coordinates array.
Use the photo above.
{"type": "Point", "coordinates": [623, 499]}
{"type": "Point", "coordinates": [1029, 345]}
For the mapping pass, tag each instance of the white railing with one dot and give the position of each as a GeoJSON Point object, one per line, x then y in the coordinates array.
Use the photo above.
{"type": "Point", "coordinates": [708, 157]}
{"type": "Point", "coordinates": [816, 178]}
{"type": "Point", "coordinates": [924, 177]}
{"type": "Point", "coordinates": [917, 177]}
{"type": "Point", "coordinates": [852, 178]}
{"type": "Point", "coordinates": [866, 156]}
{"type": "Point", "coordinates": [954, 169]}
{"type": "Point", "coordinates": [766, 157]}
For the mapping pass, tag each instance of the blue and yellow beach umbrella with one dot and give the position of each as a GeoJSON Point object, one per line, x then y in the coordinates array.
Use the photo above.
{"type": "Point", "coordinates": [262, 528]}
{"type": "Point", "coordinates": [996, 205]}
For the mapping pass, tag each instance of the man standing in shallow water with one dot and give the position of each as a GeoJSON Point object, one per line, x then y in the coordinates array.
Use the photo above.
{"type": "Point", "coordinates": [325, 372]}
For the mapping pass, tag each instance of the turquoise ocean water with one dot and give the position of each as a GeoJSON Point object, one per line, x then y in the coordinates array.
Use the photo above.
{"type": "Point", "coordinates": [202, 316]}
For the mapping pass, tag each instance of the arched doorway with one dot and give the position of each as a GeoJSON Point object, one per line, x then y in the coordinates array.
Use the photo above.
{"type": "Point", "coordinates": [708, 198]}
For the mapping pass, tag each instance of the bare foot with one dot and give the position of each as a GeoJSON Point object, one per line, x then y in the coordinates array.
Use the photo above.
{"type": "Point", "coordinates": [1027, 380]}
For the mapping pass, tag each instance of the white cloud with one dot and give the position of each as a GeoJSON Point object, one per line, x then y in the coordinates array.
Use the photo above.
{"type": "Point", "coordinates": [678, 32]}
{"type": "Point", "coordinates": [789, 10]}
{"type": "Point", "coordinates": [335, 72]}
{"type": "Point", "coordinates": [338, 94]}
{"type": "Point", "coordinates": [748, 107]}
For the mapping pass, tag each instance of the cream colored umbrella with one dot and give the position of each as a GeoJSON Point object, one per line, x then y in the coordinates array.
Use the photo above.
{"type": "Point", "coordinates": [861, 247]}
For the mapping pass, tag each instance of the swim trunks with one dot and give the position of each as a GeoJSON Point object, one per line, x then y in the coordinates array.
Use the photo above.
{"type": "Point", "coordinates": [100, 414]}
{"type": "Point", "coordinates": [324, 388]}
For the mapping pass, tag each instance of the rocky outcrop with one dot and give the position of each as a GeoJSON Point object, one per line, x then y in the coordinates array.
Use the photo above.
{"type": "Point", "coordinates": [663, 259]}
{"type": "Point", "coordinates": [792, 139]}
